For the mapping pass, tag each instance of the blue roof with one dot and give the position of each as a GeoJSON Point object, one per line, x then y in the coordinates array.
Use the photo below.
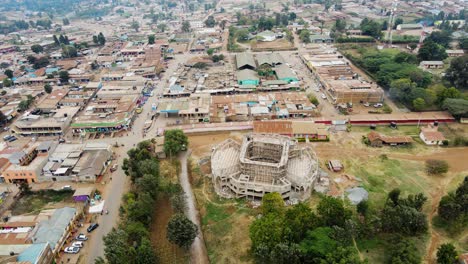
{"type": "Point", "coordinates": [176, 88]}
{"type": "Point", "coordinates": [32, 253]}
{"type": "Point", "coordinates": [53, 229]}
{"type": "Point", "coordinates": [52, 70]}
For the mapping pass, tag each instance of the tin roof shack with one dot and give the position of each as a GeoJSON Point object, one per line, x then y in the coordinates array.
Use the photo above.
{"type": "Point", "coordinates": [51, 101]}
{"type": "Point", "coordinates": [53, 124]}
{"type": "Point", "coordinates": [378, 140]}
{"type": "Point", "coordinates": [335, 165]}
{"type": "Point", "coordinates": [432, 64]}
{"type": "Point", "coordinates": [455, 53]}
{"type": "Point", "coordinates": [77, 162]}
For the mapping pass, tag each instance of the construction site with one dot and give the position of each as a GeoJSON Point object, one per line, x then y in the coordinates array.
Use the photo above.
{"type": "Point", "coordinates": [262, 164]}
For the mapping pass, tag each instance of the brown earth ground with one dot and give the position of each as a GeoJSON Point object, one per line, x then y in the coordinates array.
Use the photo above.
{"type": "Point", "coordinates": [225, 222]}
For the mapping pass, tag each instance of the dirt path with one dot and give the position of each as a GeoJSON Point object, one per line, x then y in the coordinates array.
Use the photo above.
{"type": "Point", "coordinates": [199, 255]}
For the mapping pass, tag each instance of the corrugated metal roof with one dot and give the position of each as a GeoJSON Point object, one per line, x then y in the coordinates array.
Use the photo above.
{"type": "Point", "coordinates": [243, 59]}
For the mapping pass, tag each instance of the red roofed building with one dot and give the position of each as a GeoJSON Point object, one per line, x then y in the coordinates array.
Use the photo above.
{"type": "Point", "coordinates": [431, 136]}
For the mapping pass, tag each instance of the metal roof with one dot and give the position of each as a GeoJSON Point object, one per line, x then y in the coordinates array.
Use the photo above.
{"type": "Point", "coordinates": [243, 59]}
{"type": "Point", "coordinates": [247, 75]}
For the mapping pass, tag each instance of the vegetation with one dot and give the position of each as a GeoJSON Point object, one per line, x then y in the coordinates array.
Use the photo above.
{"type": "Point", "coordinates": [151, 39]}
{"type": "Point", "coordinates": [99, 39]}
{"type": "Point", "coordinates": [175, 141]}
{"type": "Point", "coordinates": [35, 201]}
{"type": "Point", "coordinates": [313, 99]}
{"type": "Point", "coordinates": [457, 73]}
{"type": "Point", "coordinates": [453, 208]}
{"type": "Point", "coordinates": [446, 254]}
{"type": "Point", "coordinates": [48, 88]}
{"type": "Point", "coordinates": [36, 48]}
{"type": "Point", "coordinates": [64, 76]}
{"type": "Point", "coordinates": [210, 21]}
{"type": "Point", "coordinates": [129, 243]}
{"type": "Point", "coordinates": [186, 26]}
{"type": "Point", "coordinates": [25, 104]}
{"type": "Point", "coordinates": [436, 166]}
{"type": "Point", "coordinates": [181, 231]}
{"type": "Point", "coordinates": [304, 36]}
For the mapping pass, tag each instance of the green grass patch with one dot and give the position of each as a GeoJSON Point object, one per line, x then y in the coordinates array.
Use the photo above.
{"type": "Point", "coordinates": [386, 130]}
{"type": "Point", "coordinates": [214, 213]}
{"type": "Point", "coordinates": [36, 201]}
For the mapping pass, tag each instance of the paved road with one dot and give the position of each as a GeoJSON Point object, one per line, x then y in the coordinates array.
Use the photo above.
{"type": "Point", "coordinates": [198, 251]}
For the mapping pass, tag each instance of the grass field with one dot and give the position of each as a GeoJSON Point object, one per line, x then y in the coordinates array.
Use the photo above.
{"type": "Point", "coordinates": [37, 201]}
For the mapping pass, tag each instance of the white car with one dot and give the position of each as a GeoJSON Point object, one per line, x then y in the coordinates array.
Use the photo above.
{"type": "Point", "coordinates": [81, 237]}
{"type": "Point", "coordinates": [72, 250]}
{"type": "Point", "coordinates": [324, 96]}
{"type": "Point", "coordinates": [378, 105]}
{"type": "Point", "coordinates": [78, 244]}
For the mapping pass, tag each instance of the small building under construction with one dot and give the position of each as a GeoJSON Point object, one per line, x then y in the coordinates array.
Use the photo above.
{"type": "Point", "coordinates": [262, 164]}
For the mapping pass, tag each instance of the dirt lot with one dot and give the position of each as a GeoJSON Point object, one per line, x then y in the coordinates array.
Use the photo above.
{"type": "Point", "coordinates": [280, 44]}
{"type": "Point", "coordinates": [40, 200]}
{"type": "Point", "coordinates": [379, 170]}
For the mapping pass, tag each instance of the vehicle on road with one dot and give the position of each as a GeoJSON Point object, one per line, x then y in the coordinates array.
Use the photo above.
{"type": "Point", "coordinates": [114, 167]}
{"type": "Point", "coordinates": [378, 105]}
{"type": "Point", "coordinates": [323, 96]}
{"type": "Point", "coordinates": [81, 237]}
{"type": "Point", "coordinates": [72, 250]}
{"type": "Point", "coordinates": [78, 244]}
{"type": "Point", "coordinates": [9, 138]}
{"type": "Point", "coordinates": [67, 187]}
{"type": "Point", "coordinates": [366, 104]}
{"type": "Point", "coordinates": [92, 227]}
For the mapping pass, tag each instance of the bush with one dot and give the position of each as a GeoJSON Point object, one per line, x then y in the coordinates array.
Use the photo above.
{"type": "Point", "coordinates": [436, 166]}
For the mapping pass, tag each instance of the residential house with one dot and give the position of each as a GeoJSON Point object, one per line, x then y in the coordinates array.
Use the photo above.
{"type": "Point", "coordinates": [432, 64]}
{"type": "Point", "coordinates": [378, 140]}
{"type": "Point", "coordinates": [431, 136]}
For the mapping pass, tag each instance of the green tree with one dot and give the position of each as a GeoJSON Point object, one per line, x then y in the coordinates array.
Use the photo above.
{"type": "Point", "coordinates": [65, 21]}
{"type": "Point", "coordinates": [7, 82]}
{"type": "Point", "coordinates": [446, 254]}
{"type": "Point", "coordinates": [431, 51]}
{"type": "Point", "coordinates": [318, 244]}
{"type": "Point", "coordinates": [8, 73]}
{"type": "Point", "coordinates": [266, 232]}
{"type": "Point", "coordinates": [116, 248]}
{"type": "Point", "coordinates": [181, 231]}
{"type": "Point", "coordinates": [36, 48]}
{"type": "Point", "coordinates": [436, 166]}
{"type": "Point", "coordinates": [272, 203]}
{"type": "Point", "coordinates": [135, 25]}
{"type": "Point", "coordinates": [136, 231]}
{"type": "Point", "coordinates": [404, 252]}
{"type": "Point", "coordinates": [151, 39]}
{"type": "Point", "coordinates": [210, 52]}
{"type": "Point", "coordinates": [174, 141]}
{"type": "Point", "coordinates": [371, 28]}
{"type": "Point", "coordinates": [64, 76]}
{"type": "Point", "coordinates": [298, 220]}
{"type": "Point", "coordinates": [24, 188]}
{"type": "Point", "coordinates": [332, 211]}
{"type": "Point", "coordinates": [186, 26]}
{"type": "Point", "coordinates": [162, 27]}
{"type": "Point", "coordinates": [457, 73]}
{"type": "Point", "coordinates": [48, 88]}
{"type": "Point", "coordinates": [145, 253]}
{"type": "Point", "coordinates": [313, 99]}
{"type": "Point", "coordinates": [362, 207]}
{"type": "Point", "coordinates": [304, 36]}
{"type": "Point", "coordinates": [210, 21]}
{"type": "Point", "coordinates": [457, 107]}
{"type": "Point", "coordinates": [419, 104]}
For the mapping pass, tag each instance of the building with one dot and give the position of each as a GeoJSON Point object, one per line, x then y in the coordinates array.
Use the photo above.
{"type": "Point", "coordinates": [378, 140]}
{"type": "Point", "coordinates": [354, 32]}
{"type": "Point", "coordinates": [83, 194]}
{"type": "Point", "coordinates": [340, 81]}
{"type": "Point", "coordinates": [26, 165]}
{"type": "Point", "coordinates": [432, 64]}
{"type": "Point", "coordinates": [301, 130]}
{"type": "Point", "coordinates": [455, 53]}
{"type": "Point", "coordinates": [409, 26]}
{"type": "Point", "coordinates": [266, 36]}
{"type": "Point", "coordinates": [77, 162]}
{"type": "Point", "coordinates": [284, 73]}
{"type": "Point", "coordinates": [320, 39]}
{"type": "Point", "coordinates": [39, 253]}
{"type": "Point", "coordinates": [263, 164]}
{"type": "Point", "coordinates": [431, 136]}
{"type": "Point", "coordinates": [245, 61]}
{"type": "Point", "coordinates": [269, 59]}
{"type": "Point", "coordinates": [53, 124]}
{"type": "Point", "coordinates": [247, 77]}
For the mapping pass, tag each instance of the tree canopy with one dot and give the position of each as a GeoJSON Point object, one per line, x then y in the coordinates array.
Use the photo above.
{"type": "Point", "coordinates": [175, 141]}
{"type": "Point", "coordinates": [181, 231]}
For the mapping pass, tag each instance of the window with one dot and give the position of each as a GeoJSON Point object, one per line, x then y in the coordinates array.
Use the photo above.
{"type": "Point", "coordinates": [30, 174]}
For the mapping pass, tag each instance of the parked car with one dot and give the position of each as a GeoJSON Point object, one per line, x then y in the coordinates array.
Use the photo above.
{"type": "Point", "coordinates": [92, 227]}
{"type": "Point", "coordinates": [366, 104]}
{"type": "Point", "coordinates": [66, 187]}
{"type": "Point", "coordinates": [323, 96]}
{"type": "Point", "coordinates": [9, 138]}
{"type": "Point", "coordinates": [81, 237]}
{"type": "Point", "coordinates": [78, 244]}
{"type": "Point", "coordinates": [378, 105]}
{"type": "Point", "coordinates": [72, 250]}
{"type": "Point", "coordinates": [114, 167]}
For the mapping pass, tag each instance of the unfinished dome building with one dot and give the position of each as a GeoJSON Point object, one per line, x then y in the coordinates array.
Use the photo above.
{"type": "Point", "coordinates": [262, 164]}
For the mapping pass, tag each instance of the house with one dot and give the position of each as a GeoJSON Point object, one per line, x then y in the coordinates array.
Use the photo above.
{"type": "Point", "coordinates": [432, 64]}
{"type": "Point", "coordinates": [266, 36]}
{"type": "Point", "coordinates": [377, 140]}
{"type": "Point", "coordinates": [455, 53]}
{"type": "Point", "coordinates": [270, 59]}
{"type": "Point", "coordinates": [247, 77]}
{"type": "Point", "coordinates": [320, 39]}
{"type": "Point", "coordinates": [335, 165]}
{"type": "Point", "coordinates": [409, 26]}
{"type": "Point", "coordinates": [245, 61]}
{"type": "Point", "coordinates": [284, 73]}
{"type": "Point", "coordinates": [431, 136]}
{"type": "Point", "coordinates": [83, 194]}
{"type": "Point", "coordinates": [354, 32]}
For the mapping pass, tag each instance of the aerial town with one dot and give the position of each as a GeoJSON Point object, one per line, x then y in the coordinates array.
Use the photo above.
{"type": "Point", "coordinates": [234, 131]}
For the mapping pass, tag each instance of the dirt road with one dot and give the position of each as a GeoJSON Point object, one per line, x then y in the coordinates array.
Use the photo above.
{"type": "Point", "coordinates": [198, 251]}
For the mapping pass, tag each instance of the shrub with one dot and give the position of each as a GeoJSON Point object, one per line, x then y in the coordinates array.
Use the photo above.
{"type": "Point", "coordinates": [436, 166]}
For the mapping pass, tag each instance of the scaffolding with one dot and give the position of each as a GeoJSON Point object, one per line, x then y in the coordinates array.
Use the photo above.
{"type": "Point", "coordinates": [262, 164]}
